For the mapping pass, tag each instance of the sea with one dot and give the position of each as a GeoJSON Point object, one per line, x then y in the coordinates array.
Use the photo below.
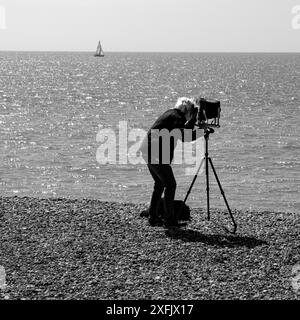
{"type": "Point", "coordinates": [54, 104]}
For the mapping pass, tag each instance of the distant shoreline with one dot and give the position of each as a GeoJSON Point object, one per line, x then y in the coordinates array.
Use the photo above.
{"type": "Point", "coordinates": [156, 52]}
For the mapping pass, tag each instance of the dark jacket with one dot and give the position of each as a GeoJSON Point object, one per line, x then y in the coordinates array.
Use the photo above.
{"type": "Point", "coordinates": [163, 135]}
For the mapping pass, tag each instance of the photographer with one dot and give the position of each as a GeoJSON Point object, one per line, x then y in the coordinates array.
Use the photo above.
{"type": "Point", "coordinates": [158, 154]}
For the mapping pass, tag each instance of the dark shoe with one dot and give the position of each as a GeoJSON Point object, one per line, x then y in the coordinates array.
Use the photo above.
{"type": "Point", "coordinates": [174, 224]}
{"type": "Point", "coordinates": [157, 222]}
{"type": "Point", "coordinates": [144, 213]}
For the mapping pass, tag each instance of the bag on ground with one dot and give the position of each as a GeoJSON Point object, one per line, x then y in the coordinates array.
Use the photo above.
{"type": "Point", "coordinates": [182, 211]}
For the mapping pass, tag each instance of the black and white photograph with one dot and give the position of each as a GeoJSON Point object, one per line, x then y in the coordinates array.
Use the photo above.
{"type": "Point", "coordinates": [149, 152]}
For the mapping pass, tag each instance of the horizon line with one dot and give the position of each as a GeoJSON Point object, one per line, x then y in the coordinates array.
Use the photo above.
{"type": "Point", "coordinates": [83, 51]}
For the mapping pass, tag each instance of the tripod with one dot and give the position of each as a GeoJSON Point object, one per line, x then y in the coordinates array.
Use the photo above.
{"type": "Point", "coordinates": [208, 161]}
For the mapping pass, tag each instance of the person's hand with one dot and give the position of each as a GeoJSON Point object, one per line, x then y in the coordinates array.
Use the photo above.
{"type": "Point", "coordinates": [203, 126]}
{"type": "Point", "coordinates": [190, 124]}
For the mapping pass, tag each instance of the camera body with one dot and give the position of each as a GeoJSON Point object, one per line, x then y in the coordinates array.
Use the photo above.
{"type": "Point", "coordinates": [209, 113]}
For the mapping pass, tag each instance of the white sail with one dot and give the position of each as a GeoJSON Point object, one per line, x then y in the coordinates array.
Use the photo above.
{"type": "Point", "coordinates": [99, 51]}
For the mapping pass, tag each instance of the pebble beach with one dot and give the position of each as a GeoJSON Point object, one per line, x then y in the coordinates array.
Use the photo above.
{"type": "Point", "coordinates": [88, 249]}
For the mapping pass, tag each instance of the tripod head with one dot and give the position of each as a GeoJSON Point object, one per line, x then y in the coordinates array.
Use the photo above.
{"type": "Point", "coordinates": [207, 132]}
{"type": "Point", "coordinates": [207, 129]}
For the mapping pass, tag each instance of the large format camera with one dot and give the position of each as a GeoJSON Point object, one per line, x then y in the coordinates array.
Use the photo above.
{"type": "Point", "coordinates": [209, 113]}
{"type": "Point", "coordinates": [208, 117]}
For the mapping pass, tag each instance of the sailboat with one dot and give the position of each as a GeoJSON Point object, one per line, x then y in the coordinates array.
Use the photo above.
{"type": "Point", "coordinates": [99, 51]}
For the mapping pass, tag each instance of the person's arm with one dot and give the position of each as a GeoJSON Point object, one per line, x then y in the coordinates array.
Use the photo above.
{"type": "Point", "coordinates": [189, 135]}
{"type": "Point", "coordinates": [203, 126]}
{"type": "Point", "coordinates": [188, 130]}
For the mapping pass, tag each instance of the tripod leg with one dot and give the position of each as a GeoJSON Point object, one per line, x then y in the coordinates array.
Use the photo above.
{"type": "Point", "coordinates": [207, 185]}
{"type": "Point", "coordinates": [223, 194]}
{"type": "Point", "coordinates": [193, 182]}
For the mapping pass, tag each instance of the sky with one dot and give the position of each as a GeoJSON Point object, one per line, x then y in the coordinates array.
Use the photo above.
{"type": "Point", "coordinates": [150, 25]}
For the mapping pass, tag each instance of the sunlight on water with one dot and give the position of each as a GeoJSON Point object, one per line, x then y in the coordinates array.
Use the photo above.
{"type": "Point", "coordinates": [51, 106]}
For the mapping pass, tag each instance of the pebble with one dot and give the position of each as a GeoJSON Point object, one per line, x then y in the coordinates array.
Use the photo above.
{"type": "Point", "coordinates": [48, 252]}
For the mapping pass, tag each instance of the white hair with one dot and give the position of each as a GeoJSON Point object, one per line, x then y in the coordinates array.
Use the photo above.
{"type": "Point", "coordinates": [183, 101]}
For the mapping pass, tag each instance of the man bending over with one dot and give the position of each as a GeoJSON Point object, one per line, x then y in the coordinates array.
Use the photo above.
{"type": "Point", "coordinates": [158, 152]}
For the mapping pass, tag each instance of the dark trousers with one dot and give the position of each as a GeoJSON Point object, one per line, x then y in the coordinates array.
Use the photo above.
{"type": "Point", "coordinates": [163, 181]}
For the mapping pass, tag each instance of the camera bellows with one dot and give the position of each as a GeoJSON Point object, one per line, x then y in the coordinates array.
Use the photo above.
{"type": "Point", "coordinates": [209, 112]}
